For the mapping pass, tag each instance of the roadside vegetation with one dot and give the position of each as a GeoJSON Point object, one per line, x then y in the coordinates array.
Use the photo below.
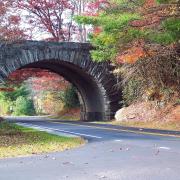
{"type": "Point", "coordinates": [20, 141]}
{"type": "Point", "coordinates": [141, 38]}
{"type": "Point", "coordinates": [175, 126]}
{"type": "Point", "coordinates": [16, 102]}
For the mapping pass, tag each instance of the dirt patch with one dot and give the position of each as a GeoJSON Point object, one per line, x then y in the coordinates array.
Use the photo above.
{"type": "Point", "coordinates": [150, 115]}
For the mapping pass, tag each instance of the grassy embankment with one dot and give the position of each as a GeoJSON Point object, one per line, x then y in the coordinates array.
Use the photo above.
{"type": "Point", "coordinates": [175, 126]}
{"type": "Point", "coordinates": [152, 125]}
{"type": "Point", "coordinates": [19, 141]}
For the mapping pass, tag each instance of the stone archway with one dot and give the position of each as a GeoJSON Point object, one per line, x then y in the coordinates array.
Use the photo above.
{"type": "Point", "coordinates": [95, 81]}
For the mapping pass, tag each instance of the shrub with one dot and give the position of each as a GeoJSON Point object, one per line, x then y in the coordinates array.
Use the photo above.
{"type": "Point", "coordinates": [70, 97]}
{"type": "Point", "coordinates": [154, 78]}
{"type": "Point", "coordinates": [23, 106]}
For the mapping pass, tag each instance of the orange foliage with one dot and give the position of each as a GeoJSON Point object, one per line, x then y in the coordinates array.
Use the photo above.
{"type": "Point", "coordinates": [7, 89]}
{"type": "Point", "coordinates": [131, 55]}
{"type": "Point", "coordinates": [152, 14]}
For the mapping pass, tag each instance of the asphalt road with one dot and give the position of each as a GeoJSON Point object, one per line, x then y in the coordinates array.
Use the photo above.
{"type": "Point", "coordinates": [110, 154]}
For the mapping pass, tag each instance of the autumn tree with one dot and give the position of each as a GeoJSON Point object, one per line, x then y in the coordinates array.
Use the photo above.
{"type": "Point", "coordinates": [49, 16]}
{"type": "Point", "coordinates": [10, 22]}
{"type": "Point", "coordinates": [18, 76]}
{"type": "Point", "coordinates": [56, 17]}
{"type": "Point", "coordinates": [10, 29]}
{"type": "Point", "coordinates": [142, 39]}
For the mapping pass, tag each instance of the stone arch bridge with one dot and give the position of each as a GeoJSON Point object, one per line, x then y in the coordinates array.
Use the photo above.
{"type": "Point", "coordinates": [94, 81]}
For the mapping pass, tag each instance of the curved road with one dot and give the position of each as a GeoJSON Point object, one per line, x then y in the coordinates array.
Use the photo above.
{"type": "Point", "coordinates": [110, 154]}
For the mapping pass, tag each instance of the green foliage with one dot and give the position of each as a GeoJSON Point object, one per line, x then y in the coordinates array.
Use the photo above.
{"type": "Point", "coordinates": [13, 95]}
{"type": "Point", "coordinates": [170, 32]}
{"type": "Point", "coordinates": [117, 32]}
{"type": "Point", "coordinates": [114, 27]}
{"type": "Point", "coordinates": [124, 5]}
{"type": "Point", "coordinates": [86, 20]}
{"type": "Point", "coordinates": [16, 102]}
{"type": "Point", "coordinates": [155, 30]}
{"type": "Point", "coordinates": [166, 1]}
{"type": "Point", "coordinates": [177, 102]}
{"type": "Point", "coordinates": [172, 25]}
{"type": "Point", "coordinates": [5, 107]}
{"type": "Point", "coordinates": [70, 97]}
{"type": "Point", "coordinates": [103, 54]}
{"type": "Point", "coordinates": [161, 38]}
{"type": "Point", "coordinates": [113, 23]}
{"type": "Point", "coordinates": [23, 106]}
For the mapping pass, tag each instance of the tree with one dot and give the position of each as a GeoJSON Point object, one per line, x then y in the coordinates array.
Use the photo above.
{"type": "Point", "coordinates": [8, 99]}
{"type": "Point", "coordinates": [54, 17]}
{"type": "Point", "coordinates": [37, 75]}
{"type": "Point", "coordinates": [20, 90]}
{"type": "Point", "coordinates": [142, 39]}
{"type": "Point", "coordinates": [127, 29]}
{"type": "Point", "coordinates": [70, 97]}
{"type": "Point", "coordinates": [10, 23]}
{"type": "Point", "coordinates": [23, 106]}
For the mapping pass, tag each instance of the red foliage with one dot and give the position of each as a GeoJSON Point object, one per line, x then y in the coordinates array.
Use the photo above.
{"type": "Point", "coordinates": [150, 20]}
{"type": "Point", "coordinates": [21, 75]}
{"type": "Point", "coordinates": [93, 9]}
{"type": "Point", "coordinates": [39, 79]}
{"type": "Point", "coordinates": [10, 22]}
{"type": "Point", "coordinates": [51, 16]}
{"type": "Point", "coordinates": [149, 3]}
{"type": "Point", "coordinates": [53, 83]}
{"type": "Point", "coordinates": [95, 6]}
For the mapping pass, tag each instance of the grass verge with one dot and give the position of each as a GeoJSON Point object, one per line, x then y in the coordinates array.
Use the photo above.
{"type": "Point", "coordinates": [152, 125]}
{"type": "Point", "coordinates": [20, 141]}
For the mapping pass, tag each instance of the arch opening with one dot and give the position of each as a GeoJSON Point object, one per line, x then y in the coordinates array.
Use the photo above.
{"type": "Point", "coordinates": [91, 99]}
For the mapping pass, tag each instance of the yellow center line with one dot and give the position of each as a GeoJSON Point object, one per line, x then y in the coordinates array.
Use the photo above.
{"type": "Point", "coordinates": [114, 129]}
